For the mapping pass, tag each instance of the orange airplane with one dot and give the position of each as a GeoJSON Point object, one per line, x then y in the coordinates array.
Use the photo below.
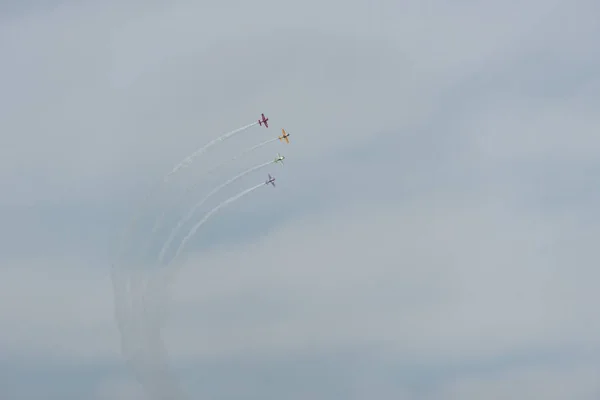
{"type": "Point", "coordinates": [284, 135]}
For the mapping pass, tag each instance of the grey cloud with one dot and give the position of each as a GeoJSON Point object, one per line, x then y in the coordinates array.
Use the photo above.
{"type": "Point", "coordinates": [493, 268]}
{"type": "Point", "coordinates": [116, 67]}
{"type": "Point", "coordinates": [440, 203]}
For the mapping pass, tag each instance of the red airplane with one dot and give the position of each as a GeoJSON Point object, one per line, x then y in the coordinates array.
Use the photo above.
{"type": "Point", "coordinates": [263, 121]}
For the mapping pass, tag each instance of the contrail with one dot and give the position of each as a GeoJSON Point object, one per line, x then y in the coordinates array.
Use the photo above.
{"type": "Point", "coordinates": [243, 153]}
{"type": "Point", "coordinates": [141, 342]}
{"type": "Point", "coordinates": [169, 272]}
{"type": "Point", "coordinates": [140, 302]}
{"type": "Point", "coordinates": [127, 231]}
{"type": "Point", "coordinates": [208, 215]}
{"type": "Point", "coordinates": [201, 150]}
{"type": "Point", "coordinates": [159, 220]}
{"type": "Point", "coordinates": [201, 202]}
{"type": "Point", "coordinates": [139, 299]}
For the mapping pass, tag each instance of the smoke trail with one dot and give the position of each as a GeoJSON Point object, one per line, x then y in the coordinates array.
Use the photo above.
{"type": "Point", "coordinates": [208, 215]}
{"type": "Point", "coordinates": [201, 150]}
{"type": "Point", "coordinates": [162, 283]}
{"type": "Point", "coordinates": [139, 305]}
{"type": "Point", "coordinates": [136, 295]}
{"type": "Point", "coordinates": [125, 236]}
{"type": "Point", "coordinates": [141, 342]}
{"type": "Point", "coordinates": [266, 142]}
{"type": "Point", "coordinates": [200, 203]}
{"type": "Point", "coordinates": [128, 230]}
{"type": "Point", "coordinates": [159, 220]}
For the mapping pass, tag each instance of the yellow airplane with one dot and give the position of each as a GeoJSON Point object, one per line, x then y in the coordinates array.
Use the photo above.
{"type": "Point", "coordinates": [284, 135]}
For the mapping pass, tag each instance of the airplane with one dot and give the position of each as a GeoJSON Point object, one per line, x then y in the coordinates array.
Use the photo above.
{"type": "Point", "coordinates": [271, 181]}
{"type": "Point", "coordinates": [279, 158]}
{"type": "Point", "coordinates": [263, 121]}
{"type": "Point", "coordinates": [284, 135]}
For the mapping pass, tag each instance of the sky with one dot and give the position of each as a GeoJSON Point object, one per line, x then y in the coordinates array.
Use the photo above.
{"type": "Point", "coordinates": [432, 234]}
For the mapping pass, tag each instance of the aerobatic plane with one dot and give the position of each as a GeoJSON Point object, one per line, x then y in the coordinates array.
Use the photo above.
{"type": "Point", "coordinates": [284, 135]}
{"type": "Point", "coordinates": [271, 181]}
{"type": "Point", "coordinates": [263, 121]}
{"type": "Point", "coordinates": [279, 158]}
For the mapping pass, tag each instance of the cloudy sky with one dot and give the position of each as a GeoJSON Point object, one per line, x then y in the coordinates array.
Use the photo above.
{"type": "Point", "coordinates": [433, 234]}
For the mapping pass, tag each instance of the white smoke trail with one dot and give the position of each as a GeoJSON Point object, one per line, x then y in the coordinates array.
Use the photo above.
{"type": "Point", "coordinates": [208, 215]}
{"type": "Point", "coordinates": [190, 158]}
{"type": "Point", "coordinates": [159, 220]}
{"type": "Point", "coordinates": [139, 307]}
{"type": "Point", "coordinates": [201, 202]}
{"type": "Point", "coordinates": [160, 285]}
{"type": "Point", "coordinates": [127, 232]}
{"type": "Point", "coordinates": [141, 341]}
{"type": "Point", "coordinates": [257, 146]}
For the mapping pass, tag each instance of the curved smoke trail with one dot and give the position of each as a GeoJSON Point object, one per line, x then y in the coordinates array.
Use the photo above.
{"type": "Point", "coordinates": [201, 202]}
{"type": "Point", "coordinates": [248, 150]}
{"type": "Point", "coordinates": [161, 283]}
{"type": "Point", "coordinates": [188, 160]}
{"type": "Point", "coordinates": [128, 230]}
{"type": "Point", "coordinates": [141, 343]}
{"type": "Point", "coordinates": [159, 220]}
{"type": "Point", "coordinates": [140, 305]}
{"type": "Point", "coordinates": [207, 216]}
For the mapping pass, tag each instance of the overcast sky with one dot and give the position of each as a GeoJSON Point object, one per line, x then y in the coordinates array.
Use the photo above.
{"type": "Point", "coordinates": [433, 233]}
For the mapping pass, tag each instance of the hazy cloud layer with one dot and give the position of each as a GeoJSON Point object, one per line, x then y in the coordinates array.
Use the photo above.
{"type": "Point", "coordinates": [433, 233]}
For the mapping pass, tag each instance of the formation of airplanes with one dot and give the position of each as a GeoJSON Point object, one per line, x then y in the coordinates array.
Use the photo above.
{"type": "Point", "coordinates": [284, 136]}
